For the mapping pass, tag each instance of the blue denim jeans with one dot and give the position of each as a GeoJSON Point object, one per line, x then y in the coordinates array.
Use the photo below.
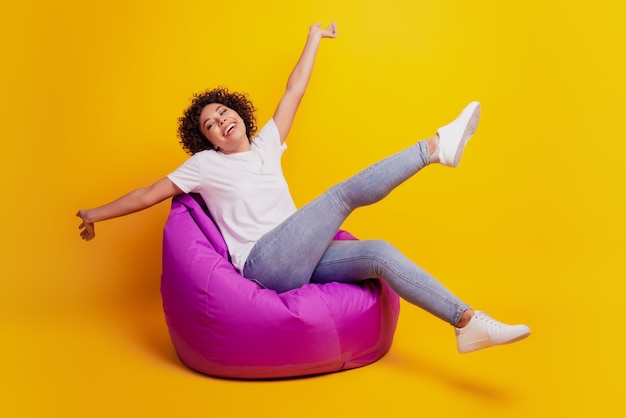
{"type": "Point", "coordinates": [301, 249]}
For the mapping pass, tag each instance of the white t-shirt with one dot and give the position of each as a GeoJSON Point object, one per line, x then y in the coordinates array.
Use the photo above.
{"type": "Point", "coordinates": [246, 192]}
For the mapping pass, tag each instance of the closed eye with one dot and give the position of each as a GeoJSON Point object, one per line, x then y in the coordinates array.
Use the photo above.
{"type": "Point", "coordinates": [208, 124]}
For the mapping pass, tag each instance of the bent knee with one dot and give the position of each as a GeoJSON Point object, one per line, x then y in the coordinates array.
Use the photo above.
{"type": "Point", "coordinates": [379, 248]}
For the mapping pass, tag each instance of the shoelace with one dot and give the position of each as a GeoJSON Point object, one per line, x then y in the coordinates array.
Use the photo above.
{"type": "Point", "coordinates": [486, 318]}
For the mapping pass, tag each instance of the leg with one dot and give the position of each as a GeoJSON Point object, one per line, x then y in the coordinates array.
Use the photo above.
{"type": "Point", "coordinates": [353, 261]}
{"type": "Point", "coordinates": [285, 257]}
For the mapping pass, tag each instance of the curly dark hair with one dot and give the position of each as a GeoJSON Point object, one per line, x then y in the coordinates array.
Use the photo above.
{"type": "Point", "coordinates": [191, 137]}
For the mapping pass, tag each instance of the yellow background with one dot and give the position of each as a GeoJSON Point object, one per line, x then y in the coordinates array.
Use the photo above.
{"type": "Point", "coordinates": [529, 228]}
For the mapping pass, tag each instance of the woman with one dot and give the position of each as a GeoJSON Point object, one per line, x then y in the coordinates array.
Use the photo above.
{"type": "Point", "coordinates": [239, 176]}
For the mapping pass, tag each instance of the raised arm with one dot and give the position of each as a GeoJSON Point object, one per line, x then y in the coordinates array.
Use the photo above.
{"type": "Point", "coordinates": [129, 203]}
{"type": "Point", "coordinates": [299, 78]}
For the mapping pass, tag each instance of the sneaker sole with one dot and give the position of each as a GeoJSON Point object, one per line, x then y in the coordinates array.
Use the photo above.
{"type": "Point", "coordinates": [479, 345]}
{"type": "Point", "coordinates": [470, 128]}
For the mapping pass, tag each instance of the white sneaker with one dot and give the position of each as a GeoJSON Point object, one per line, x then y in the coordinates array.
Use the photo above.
{"type": "Point", "coordinates": [482, 331]}
{"type": "Point", "coordinates": [454, 136]}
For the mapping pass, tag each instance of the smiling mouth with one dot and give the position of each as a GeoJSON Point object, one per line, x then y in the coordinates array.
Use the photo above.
{"type": "Point", "coordinates": [230, 128]}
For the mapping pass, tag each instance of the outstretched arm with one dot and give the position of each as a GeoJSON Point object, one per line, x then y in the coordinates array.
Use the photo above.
{"type": "Point", "coordinates": [129, 203]}
{"type": "Point", "coordinates": [299, 78]}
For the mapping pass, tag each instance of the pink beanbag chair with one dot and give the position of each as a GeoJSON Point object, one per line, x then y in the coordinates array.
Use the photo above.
{"type": "Point", "coordinates": [224, 325]}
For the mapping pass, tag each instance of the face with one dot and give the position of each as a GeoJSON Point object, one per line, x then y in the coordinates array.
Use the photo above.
{"type": "Point", "coordinates": [224, 128]}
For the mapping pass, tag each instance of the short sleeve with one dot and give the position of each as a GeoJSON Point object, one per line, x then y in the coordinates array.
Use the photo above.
{"type": "Point", "coordinates": [269, 138]}
{"type": "Point", "coordinates": [187, 176]}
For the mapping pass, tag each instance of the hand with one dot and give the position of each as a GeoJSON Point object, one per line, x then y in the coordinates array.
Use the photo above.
{"type": "Point", "coordinates": [329, 32]}
{"type": "Point", "coordinates": [88, 232]}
